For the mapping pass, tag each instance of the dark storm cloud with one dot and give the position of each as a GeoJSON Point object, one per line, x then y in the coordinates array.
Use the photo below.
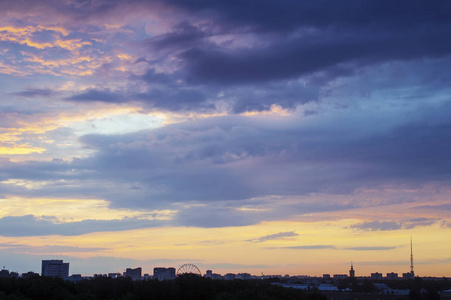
{"type": "Point", "coordinates": [316, 37]}
{"type": "Point", "coordinates": [152, 77]}
{"type": "Point", "coordinates": [184, 35]}
{"type": "Point", "coordinates": [268, 15]}
{"type": "Point", "coordinates": [255, 51]}
{"type": "Point", "coordinates": [164, 93]}
{"type": "Point", "coordinates": [98, 95]}
{"type": "Point", "coordinates": [174, 100]}
{"type": "Point", "coordinates": [34, 92]}
{"type": "Point", "coordinates": [29, 225]}
{"type": "Point", "coordinates": [237, 158]}
{"type": "Point", "coordinates": [315, 42]}
{"type": "Point", "coordinates": [294, 57]}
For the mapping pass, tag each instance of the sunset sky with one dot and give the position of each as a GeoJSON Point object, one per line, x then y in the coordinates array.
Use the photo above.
{"type": "Point", "coordinates": [283, 137]}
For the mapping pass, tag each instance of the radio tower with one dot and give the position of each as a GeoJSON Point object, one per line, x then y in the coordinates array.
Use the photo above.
{"type": "Point", "coordinates": [411, 259]}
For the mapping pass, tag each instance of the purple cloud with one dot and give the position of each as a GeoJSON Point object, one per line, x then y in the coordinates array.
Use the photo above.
{"type": "Point", "coordinates": [276, 236]}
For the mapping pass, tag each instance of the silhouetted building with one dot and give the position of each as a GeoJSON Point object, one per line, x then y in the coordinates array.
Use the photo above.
{"type": "Point", "coordinates": [340, 276]}
{"type": "Point", "coordinates": [392, 276]}
{"type": "Point", "coordinates": [114, 275]}
{"type": "Point", "coordinates": [408, 275]}
{"type": "Point", "coordinates": [75, 277]}
{"type": "Point", "coordinates": [229, 276]}
{"type": "Point", "coordinates": [216, 276]}
{"type": "Point", "coordinates": [134, 274]}
{"type": "Point", "coordinates": [55, 268]}
{"type": "Point", "coordinates": [376, 276]}
{"type": "Point", "coordinates": [244, 276]}
{"type": "Point", "coordinates": [164, 273]}
{"type": "Point", "coordinates": [4, 273]}
{"type": "Point", "coordinates": [208, 274]}
{"type": "Point", "coordinates": [326, 276]}
{"type": "Point", "coordinates": [351, 271]}
{"type": "Point", "coordinates": [30, 274]}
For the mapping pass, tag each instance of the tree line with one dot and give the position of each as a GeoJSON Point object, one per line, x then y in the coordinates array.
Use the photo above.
{"type": "Point", "coordinates": [186, 287]}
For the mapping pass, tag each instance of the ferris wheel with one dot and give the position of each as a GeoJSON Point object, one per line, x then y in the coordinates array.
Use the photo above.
{"type": "Point", "coordinates": [189, 269]}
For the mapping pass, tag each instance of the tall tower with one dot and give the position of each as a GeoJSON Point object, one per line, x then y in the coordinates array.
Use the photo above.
{"type": "Point", "coordinates": [351, 271]}
{"type": "Point", "coordinates": [411, 259]}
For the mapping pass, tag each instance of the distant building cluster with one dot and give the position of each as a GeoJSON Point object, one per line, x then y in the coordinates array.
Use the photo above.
{"type": "Point", "coordinates": [373, 276]}
{"type": "Point", "coordinates": [164, 273]}
{"type": "Point", "coordinates": [59, 268]}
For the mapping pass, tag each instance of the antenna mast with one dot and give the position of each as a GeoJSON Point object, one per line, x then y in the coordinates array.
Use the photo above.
{"type": "Point", "coordinates": [411, 257]}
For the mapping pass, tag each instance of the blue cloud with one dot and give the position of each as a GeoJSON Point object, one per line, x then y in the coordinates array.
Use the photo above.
{"type": "Point", "coordinates": [30, 225]}
{"type": "Point", "coordinates": [276, 236]}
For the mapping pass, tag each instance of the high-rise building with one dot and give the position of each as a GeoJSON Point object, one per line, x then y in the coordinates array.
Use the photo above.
{"type": "Point", "coordinates": [164, 273]}
{"type": "Point", "coordinates": [134, 274]}
{"type": "Point", "coordinates": [55, 268]}
{"type": "Point", "coordinates": [351, 271]}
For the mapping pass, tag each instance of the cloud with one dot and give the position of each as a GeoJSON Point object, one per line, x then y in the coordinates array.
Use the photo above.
{"type": "Point", "coordinates": [233, 266]}
{"type": "Point", "coordinates": [441, 207]}
{"type": "Point", "coordinates": [371, 248]}
{"type": "Point", "coordinates": [276, 236]}
{"type": "Point", "coordinates": [393, 225]}
{"type": "Point", "coordinates": [342, 41]}
{"type": "Point", "coordinates": [221, 162]}
{"type": "Point", "coordinates": [377, 226]}
{"type": "Point", "coordinates": [30, 225]}
{"type": "Point", "coordinates": [214, 216]}
{"type": "Point", "coordinates": [182, 36]}
{"type": "Point", "coordinates": [403, 262]}
{"type": "Point", "coordinates": [51, 249]}
{"type": "Point", "coordinates": [286, 16]}
{"type": "Point", "coordinates": [381, 109]}
{"type": "Point", "coordinates": [306, 247]}
{"type": "Point", "coordinates": [98, 95]}
{"type": "Point", "coordinates": [34, 92]}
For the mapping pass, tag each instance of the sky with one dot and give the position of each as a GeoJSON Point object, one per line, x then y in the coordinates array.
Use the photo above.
{"type": "Point", "coordinates": [276, 137]}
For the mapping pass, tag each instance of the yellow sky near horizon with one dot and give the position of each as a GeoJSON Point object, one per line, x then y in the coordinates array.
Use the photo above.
{"type": "Point", "coordinates": [311, 247]}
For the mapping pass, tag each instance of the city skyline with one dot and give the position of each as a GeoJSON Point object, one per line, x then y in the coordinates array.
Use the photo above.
{"type": "Point", "coordinates": [59, 268]}
{"type": "Point", "coordinates": [284, 137]}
